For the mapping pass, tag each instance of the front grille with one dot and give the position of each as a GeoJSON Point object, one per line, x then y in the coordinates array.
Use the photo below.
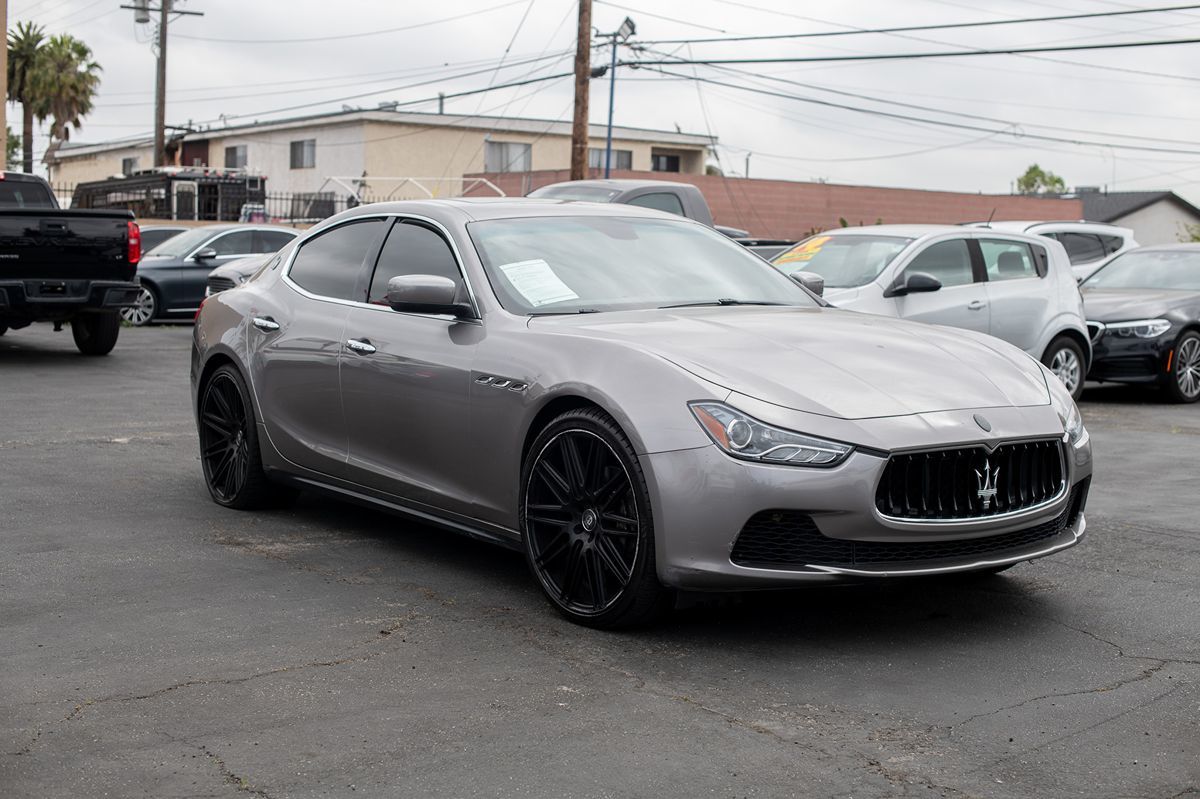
{"type": "Point", "coordinates": [216, 284]}
{"type": "Point", "coordinates": [784, 539]}
{"type": "Point", "coordinates": [954, 484]}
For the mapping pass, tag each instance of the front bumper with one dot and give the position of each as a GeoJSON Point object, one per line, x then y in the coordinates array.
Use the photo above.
{"type": "Point", "coordinates": [704, 500]}
{"type": "Point", "coordinates": [1117, 359]}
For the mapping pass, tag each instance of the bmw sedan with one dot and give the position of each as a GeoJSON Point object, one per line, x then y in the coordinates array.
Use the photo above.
{"type": "Point", "coordinates": [1143, 310]}
{"type": "Point", "coordinates": [633, 400]}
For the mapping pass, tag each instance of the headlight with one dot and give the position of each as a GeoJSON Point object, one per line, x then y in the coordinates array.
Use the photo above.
{"type": "Point", "coordinates": [240, 279]}
{"type": "Point", "coordinates": [745, 437]}
{"type": "Point", "coordinates": [1074, 433]}
{"type": "Point", "coordinates": [1141, 328]}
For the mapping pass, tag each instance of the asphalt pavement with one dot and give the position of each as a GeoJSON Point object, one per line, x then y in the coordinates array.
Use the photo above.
{"type": "Point", "coordinates": [155, 644]}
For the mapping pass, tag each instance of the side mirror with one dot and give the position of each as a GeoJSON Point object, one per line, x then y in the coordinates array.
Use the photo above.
{"type": "Point", "coordinates": [810, 280]}
{"type": "Point", "coordinates": [916, 283]}
{"type": "Point", "coordinates": [206, 254]}
{"type": "Point", "coordinates": [425, 294]}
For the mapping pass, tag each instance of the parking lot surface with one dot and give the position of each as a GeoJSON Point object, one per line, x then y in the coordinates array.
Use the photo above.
{"type": "Point", "coordinates": [155, 644]}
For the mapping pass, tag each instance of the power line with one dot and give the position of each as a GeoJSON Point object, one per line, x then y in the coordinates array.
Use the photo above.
{"type": "Point", "coordinates": [940, 26]}
{"type": "Point", "coordinates": [351, 35]}
{"type": "Point", "coordinates": [643, 13]}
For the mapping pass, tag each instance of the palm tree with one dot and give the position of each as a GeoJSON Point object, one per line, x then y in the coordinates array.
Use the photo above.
{"type": "Point", "coordinates": [26, 80]}
{"type": "Point", "coordinates": [72, 80]}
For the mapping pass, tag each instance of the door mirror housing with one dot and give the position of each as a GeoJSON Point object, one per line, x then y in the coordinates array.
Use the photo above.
{"type": "Point", "coordinates": [426, 294]}
{"type": "Point", "coordinates": [205, 254]}
{"type": "Point", "coordinates": [810, 280]}
{"type": "Point", "coordinates": [916, 283]}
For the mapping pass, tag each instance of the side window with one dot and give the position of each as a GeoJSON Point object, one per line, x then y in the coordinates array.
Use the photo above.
{"type": "Point", "coordinates": [239, 242]}
{"type": "Point", "coordinates": [948, 261]}
{"type": "Point", "coordinates": [271, 240]}
{"type": "Point", "coordinates": [412, 249]}
{"type": "Point", "coordinates": [1082, 248]}
{"type": "Point", "coordinates": [1007, 260]}
{"type": "Point", "coordinates": [330, 264]}
{"type": "Point", "coordinates": [1111, 243]}
{"type": "Point", "coordinates": [659, 201]}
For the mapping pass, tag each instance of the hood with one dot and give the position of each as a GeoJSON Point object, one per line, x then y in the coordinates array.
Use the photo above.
{"type": "Point", "coordinates": [242, 268]}
{"type": "Point", "coordinates": [826, 361]}
{"type": "Point", "coordinates": [1123, 305]}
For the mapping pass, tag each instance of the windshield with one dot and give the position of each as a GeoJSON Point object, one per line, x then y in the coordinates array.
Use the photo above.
{"type": "Point", "coordinates": [844, 261]}
{"type": "Point", "coordinates": [580, 264]}
{"type": "Point", "coordinates": [592, 194]}
{"type": "Point", "coordinates": [178, 246]}
{"type": "Point", "coordinates": [1150, 269]}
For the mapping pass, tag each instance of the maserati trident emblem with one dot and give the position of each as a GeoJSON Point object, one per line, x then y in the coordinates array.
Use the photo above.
{"type": "Point", "coordinates": [987, 483]}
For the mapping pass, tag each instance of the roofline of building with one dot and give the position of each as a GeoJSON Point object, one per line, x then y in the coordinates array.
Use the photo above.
{"type": "Point", "coordinates": [1157, 196]}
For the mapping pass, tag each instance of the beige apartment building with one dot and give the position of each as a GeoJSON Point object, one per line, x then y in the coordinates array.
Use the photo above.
{"type": "Point", "coordinates": [327, 152]}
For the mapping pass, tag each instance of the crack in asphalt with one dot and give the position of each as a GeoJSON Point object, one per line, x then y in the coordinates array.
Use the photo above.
{"type": "Point", "coordinates": [241, 783]}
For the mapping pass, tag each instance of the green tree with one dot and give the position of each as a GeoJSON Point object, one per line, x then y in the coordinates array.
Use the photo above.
{"type": "Point", "coordinates": [1190, 233]}
{"type": "Point", "coordinates": [1038, 181]}
{"type": "Point", "coordinates": [12, 150]}
{"type": "Point", "coordinates": [71, 88]}
{"type": "Point", "coordinates": [26, 80]}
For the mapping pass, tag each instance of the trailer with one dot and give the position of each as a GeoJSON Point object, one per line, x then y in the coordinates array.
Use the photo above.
{"type": "Point", "coordinates": [194, 193]}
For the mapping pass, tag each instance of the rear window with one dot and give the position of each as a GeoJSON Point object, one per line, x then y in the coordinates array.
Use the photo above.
{"type": "Point", "coordinates": [24, 194]}
{"type": "Point", "coordinates": [592, 194]}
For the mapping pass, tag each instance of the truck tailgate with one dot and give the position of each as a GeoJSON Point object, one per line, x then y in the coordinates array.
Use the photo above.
{"type": "Point", "coordinates": [49, 244]}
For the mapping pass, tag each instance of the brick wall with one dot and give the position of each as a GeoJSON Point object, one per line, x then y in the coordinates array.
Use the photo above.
{"type": "Point", "coordinates": [790, 209]}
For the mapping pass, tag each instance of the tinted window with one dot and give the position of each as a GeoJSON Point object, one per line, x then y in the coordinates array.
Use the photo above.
{"type": "Point", "coordinates": [412, 249]}
{"type": "Point", "coordinates": [240, 242]}
{"type": "Point", "coordinates": [659, 201]}
{"type": "Point", "coordinates": [1082, 247]}
{"type": "Point", "coordinates": [24, 194]}
{"type": "Point", "coordinates": [153, 238]}
{"type": "Point", "coordinates": [1007, 260]}
{"type": "Point", "coordinates": [331, 264]}
{"type": "Point", "coordinates": [271, 240]}
{"type": "Point", "coordinates": [948, 261]}
{"type": "Point", "coordinates": [1111, 243]}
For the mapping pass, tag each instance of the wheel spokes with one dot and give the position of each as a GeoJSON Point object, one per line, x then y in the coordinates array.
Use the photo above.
{"type": "Point", "coordinates": [224, 446]}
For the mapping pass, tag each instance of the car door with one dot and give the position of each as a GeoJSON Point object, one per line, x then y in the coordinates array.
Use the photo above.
{"type": "Point", "coordinates": [193, 274]}
{"type": "Point", "coordinates": [295, 338]}
{"type": "Point", "coordinates": [406, 380]}
{"type": "Point", "coordinates": [962, 299]}
{"type": "Point", "coordinates": [1017, 293]}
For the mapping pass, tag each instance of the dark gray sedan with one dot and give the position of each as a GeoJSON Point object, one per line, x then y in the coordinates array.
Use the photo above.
{"type": "Point", "coordinates": [633, 400]}
{"type": "Point", "coordinates": [174, 274]}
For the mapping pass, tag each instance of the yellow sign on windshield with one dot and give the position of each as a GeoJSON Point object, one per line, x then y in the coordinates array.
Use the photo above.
{"type": "Point", "coordinates": [804, 251]}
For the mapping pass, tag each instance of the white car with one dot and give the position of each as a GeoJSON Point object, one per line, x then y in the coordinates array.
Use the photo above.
{"type": "Point", "coordinates": [1015, 286]}
{"type": "Point", "coordinates": [1088, 244]}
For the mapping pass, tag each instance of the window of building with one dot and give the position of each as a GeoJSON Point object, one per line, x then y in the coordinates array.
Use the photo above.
{"type": "Point", "coordinates": [621, 159]}
{"type": "Point", "coordinates": [330, 265]}
{"type": "Point", "coordinates": [1007, 260]}
{"type": "Point", "coordinates": [948, 261]}
{"type": "Point", "coordinates": [507, 156]}
{"type": "Point", "coordinates": [659, 201]}
{"type": "Point", "coordinates": [412, 249]}
{"type": "Point", "coordinates": [129, 165]}
{"type": "Point", "coordinates": [304, 154]}
{"type": "Point", "coordinates": [235, 157]}
{"type": "Point", "coordinates": [664, 163]}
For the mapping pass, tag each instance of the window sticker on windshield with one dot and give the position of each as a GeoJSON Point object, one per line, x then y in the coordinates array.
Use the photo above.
{"type": "Point", "coordinates": [537, 283]}
{"type": "Point", "coordinates": [805, 251]}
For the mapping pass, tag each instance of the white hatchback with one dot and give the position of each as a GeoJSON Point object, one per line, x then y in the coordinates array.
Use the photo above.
{"type": "Point", "coordinates": [1088, 244]}
{"type": "Point", "coordinates": [1014, 286]}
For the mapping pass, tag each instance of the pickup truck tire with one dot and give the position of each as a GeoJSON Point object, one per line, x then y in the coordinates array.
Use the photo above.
{"type": "Point", "coordinates": [96, 333]}
{"type": "Point", "coordinates": [145, 309]}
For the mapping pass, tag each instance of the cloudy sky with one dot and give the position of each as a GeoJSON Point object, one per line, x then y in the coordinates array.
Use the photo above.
{"type": "Point", "coordinates": [1126, 119]}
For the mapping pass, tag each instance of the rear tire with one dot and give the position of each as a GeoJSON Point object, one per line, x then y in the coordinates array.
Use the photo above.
{"type": "Point", "coordinates": [229, 451]}
{"type": "Point", "coordinates": [586, 523]}
{"type": "Point", "coordinates": [144, 310]}
{"type": "Point", "coordinates": [96, 333]}
{"type": "Point", "coordinates": [1065, 358]}
{"type": "Point", "coordinates": [1182, 383]}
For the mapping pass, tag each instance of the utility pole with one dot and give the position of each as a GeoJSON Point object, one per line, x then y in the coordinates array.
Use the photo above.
{"type": "Point", "coordinates": [141, 13]}
{"type": "Point", "coordinates": [583, 60]}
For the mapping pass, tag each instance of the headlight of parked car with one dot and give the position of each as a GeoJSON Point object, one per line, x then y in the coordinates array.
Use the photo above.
{"type": "Point", "coordinates": [745, 437]}
{"type": "Point", "coordinates": [1068, 412]}
{"type": "Point", "coordinates": [1140, 328]}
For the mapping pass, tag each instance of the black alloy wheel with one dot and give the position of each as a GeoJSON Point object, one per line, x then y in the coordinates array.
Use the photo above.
{"type": "Point", "coordinates": [229, 452]}
{"type": "Point", "coordinates": [1183, 379]}
{"type": "Point", "coordinates": [585, 519]}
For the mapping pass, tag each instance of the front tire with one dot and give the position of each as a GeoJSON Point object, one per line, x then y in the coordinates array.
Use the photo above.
{"type": "Point", "coordinates": [229, 453]}
{"type": "Point", "coordinates": [1065, 358]}
{"type": "Point", "coordinates": [1182, 383]}
{"type": "Point", "coordinates": [144, 309]}
{"type": "Point", "coordinates": [96, 333]}
{"type": "Point", "coordinates": [586, 523]}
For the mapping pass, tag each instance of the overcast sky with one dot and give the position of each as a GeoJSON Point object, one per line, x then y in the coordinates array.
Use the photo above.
{"type": "Point", "coordinates": [1144, 97]}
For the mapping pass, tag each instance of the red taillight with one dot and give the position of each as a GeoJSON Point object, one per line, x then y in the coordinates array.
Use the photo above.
{"type": "Point", "coordinates": [135, 243]}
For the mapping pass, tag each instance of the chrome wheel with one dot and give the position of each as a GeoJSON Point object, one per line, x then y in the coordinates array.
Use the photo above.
{"type": "Point", "coordinates": [1187, 368]}
{"type": "Point", "coordinates": [142, 312]}
{"type": "Point", "coordinates": [1066, 366]}
{"type": "Point", "coordinates": [581, 522]}
{"type": "Point", "coordinates": [224, 438]}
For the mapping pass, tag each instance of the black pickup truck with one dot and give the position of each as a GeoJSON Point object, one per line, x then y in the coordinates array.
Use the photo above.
{"type": "Point", "coordinates": [64, 266]}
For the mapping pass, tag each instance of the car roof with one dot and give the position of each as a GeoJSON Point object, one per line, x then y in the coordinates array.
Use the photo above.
{"type": "Point", "coordinates": [1024, 225]}
{"type": "Point", "coordinates": [1184, 247]}
{"type": "Point", "coordinates": [478, 209]}
{"type": "Point", "coordinates": [905, 231]}
{"type": "Point", "coordinates": [618, 183]}
{"type": "Point", "coordinates": [223, 226]}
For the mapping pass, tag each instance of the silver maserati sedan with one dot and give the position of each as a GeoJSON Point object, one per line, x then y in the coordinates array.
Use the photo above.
{"type": "Point", "coordinates": [633, 400]}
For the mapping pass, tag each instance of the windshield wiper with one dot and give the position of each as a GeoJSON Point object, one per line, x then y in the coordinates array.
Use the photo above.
{"type": "Point", "coordinates": [566, 313]}
{"type": "Point", "coordinates": [722, 301]}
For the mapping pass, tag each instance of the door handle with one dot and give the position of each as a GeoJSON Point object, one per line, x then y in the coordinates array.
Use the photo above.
{"type": "Point", "coordinates": [265, 323]}
{"type": "Point", "coordinates": [977, 305]}
{"type": "Point", "coordinates": [359, 346]}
